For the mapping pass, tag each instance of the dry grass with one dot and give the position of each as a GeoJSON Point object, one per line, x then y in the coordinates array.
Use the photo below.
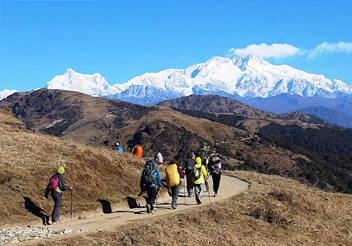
{"type": "Point", "coordinates": [274, 211]}
{"type": "Point", "coordinates": [27, 161]}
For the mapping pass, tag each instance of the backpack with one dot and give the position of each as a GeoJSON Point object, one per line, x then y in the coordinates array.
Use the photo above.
{"type": "Point", "coordinates": [215, 164]}
{"type": "Point", "coordinates": [189, 165]}
{"type": "Point", "coordinates": [202, 155]}
{"type": "Point", "coordinates": [197, 172]}
{"type": "Point", "coordinates": [149, 176]}
{"type": "Point", "coordinates": [53, 183]}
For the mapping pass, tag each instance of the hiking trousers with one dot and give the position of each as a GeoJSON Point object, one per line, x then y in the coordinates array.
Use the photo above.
{"type": "Point", "coordinates": [174, 191]}
{"type": "Point", "coordinates": [189, 178]}
{"type": "Point", "coordinates": [57, 197]}
{"type": "Point", "coordinates": [198, 190]}
{"type": "Point", "coordinates": [151, 192]}
{"type": "Point", "coordinates": [216, 181]}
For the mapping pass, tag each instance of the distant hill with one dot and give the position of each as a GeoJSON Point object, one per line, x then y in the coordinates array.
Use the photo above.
{"type": "Point", "coordinates": [287, 103]}
{"type": "Point", "coordinates": [334, 117]}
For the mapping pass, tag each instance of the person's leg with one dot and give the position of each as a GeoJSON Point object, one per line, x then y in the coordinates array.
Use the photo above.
{"type": "Point", "coordinates": [201, 189]}
{"type": "Point", "coordinates": [175, 190]}
{"type": "Point", "coordinates": [151, 191]}
{"type": "Point", "coordinates": [57, 197]}
{"type": "Point", "coordinates": [189, 184]}
{"type": "Point", "coordinates": [197, 193]}
{"type": "Point", "coordinates": [216, 182]}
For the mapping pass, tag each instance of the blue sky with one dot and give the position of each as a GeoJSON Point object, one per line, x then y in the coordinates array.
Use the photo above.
{"type": "Point", "coordinates": [124, 39]}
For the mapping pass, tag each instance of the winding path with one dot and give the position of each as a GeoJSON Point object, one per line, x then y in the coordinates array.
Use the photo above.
{"type": "Point", "coordinates": [229, 186]}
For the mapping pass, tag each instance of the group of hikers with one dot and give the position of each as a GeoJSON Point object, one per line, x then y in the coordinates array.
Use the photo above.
{"type": "Point", "coordinates": [196, 169]}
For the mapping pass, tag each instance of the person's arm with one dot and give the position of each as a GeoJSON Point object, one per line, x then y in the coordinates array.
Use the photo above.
{"type": "Point", "coordinates": [204, 170]}
{"type": "Point", "coordinates": [63, 187]}
{"type": "Point", "coordinates": [158, 177]}
{"type": "Point", "coordinates": [180, 172]}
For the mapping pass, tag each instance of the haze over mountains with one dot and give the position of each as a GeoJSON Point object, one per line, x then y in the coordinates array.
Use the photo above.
{"type": "Point", "coordinates": [278, 89]}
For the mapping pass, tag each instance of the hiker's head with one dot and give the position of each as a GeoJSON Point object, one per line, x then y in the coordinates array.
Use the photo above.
{"type": "Point", "coordinates": [174, 161]}
{"type": "Point", "coordinates": [191, 155]}
{"type": "Point", "coordinates": [61, 170]}
{"type": "Point", "coordinates": [198, 160]}
{"type": "Point", "coordinates": [117, 144]}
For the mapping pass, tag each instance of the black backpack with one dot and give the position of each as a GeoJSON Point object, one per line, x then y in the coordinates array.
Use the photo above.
{"type": "Point", "coordinates": [149, 176]}
{"type": "Point", "coordinates": [189, 165]}
{"type": "Point", "coordinates": [202, 155]}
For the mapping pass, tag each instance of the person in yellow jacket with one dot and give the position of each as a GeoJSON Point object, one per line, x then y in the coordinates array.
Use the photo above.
{"type": "Point", "coordinates": [173, 175]}
{"type": "Point", "coordinates": [199, 177]}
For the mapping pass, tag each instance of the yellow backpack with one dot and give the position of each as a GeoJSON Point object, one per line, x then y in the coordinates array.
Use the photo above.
{"type": "Point", "coordinates": [172, 176]}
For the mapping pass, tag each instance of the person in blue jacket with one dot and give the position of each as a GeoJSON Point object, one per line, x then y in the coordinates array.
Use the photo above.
{"type": "Point", "coordinates": [118, 148]}
{"type": "Point", "coordinates": [151, 183]}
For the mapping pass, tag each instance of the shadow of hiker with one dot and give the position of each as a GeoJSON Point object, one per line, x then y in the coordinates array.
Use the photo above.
{"type": "Point", "coordinates": [132, 203]}
{"type": "Point", "coordinates": [105, 206]}
{"type": "Point", "coordinates": [37, 211]}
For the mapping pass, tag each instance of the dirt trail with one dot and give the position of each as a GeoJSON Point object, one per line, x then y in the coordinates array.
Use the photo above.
{"type": "Point", "coordinates": [229, 186]}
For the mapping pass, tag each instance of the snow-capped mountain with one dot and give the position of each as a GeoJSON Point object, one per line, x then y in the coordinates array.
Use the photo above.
{"type": "Point", "coordinates": [239, 77]}
{"type": "Point", "coordinates": [94, 85]}
{"type": "Point", "coordinates": [5, 93]}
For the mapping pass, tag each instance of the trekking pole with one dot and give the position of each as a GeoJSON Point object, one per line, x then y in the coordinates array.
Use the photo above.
{"type": "Point", "coordinates": [208, 190]}
{"type": "Point", "coordinates": [71, 206]}
{"type": "Point", "coordinates": [184, 190]}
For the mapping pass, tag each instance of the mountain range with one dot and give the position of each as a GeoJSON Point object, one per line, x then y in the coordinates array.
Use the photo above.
{"type": "Point", "coordinates": [238, 77]}
{"type": "Point", "coordinates": [277, 89]}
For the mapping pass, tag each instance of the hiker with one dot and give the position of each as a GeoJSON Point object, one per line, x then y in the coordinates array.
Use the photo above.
{"type": "Point", "coordinates": [215, 170]}
{"type": "Point", "coordinates": [173, 175]}
{"type": "Point", "coordinates": [118, 148]}
{"type": "Point", "coordinates": [188, 168]}
{"type": "Point", "coordinates": [158, 158]}
{"type": "Point", "coordinates": [151, 183]}
{"type": "Point", "coordinates": [199, 176]}
{"type": "Point", "coordinates": [138, 151]}
{"type": "Point", "coordinates": [56, 193]}
{"type": "Point", "coordinates": [204, 159]}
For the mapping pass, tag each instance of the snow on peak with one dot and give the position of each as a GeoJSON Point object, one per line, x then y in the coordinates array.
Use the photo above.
{"type": "Point", "coordinates": [238, 76]}
{"type": "Point", "coordinates": [5, 93]}
{"type": "Point", "coordinates": [94, 85]}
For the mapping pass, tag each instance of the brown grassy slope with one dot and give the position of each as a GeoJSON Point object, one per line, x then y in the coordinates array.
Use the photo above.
{"type": "Point", "coordinates": [274, 211]}
{"type": "Point", "coordinates": [27, 161]}
{"type": "Point", "coordinates": [158, 119]}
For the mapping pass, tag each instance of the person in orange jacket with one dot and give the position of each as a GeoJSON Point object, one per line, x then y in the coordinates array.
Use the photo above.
{"type": "Point", "coordinates": [138, 151]}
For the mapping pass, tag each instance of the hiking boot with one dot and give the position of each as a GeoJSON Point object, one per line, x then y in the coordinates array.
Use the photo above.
{"type": "Point", "coordinates": [198, 201]}
{"type": "Point", "coordinates": [173, 206]}
{"type": "Point", "coordinates": [148, 208]}
{"type": "Point", "coordinates": [56, 222]}
{"type": "Point", "coordinates": [215, 194]}
{"type": "Point", "coordinates": [153, 210]}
